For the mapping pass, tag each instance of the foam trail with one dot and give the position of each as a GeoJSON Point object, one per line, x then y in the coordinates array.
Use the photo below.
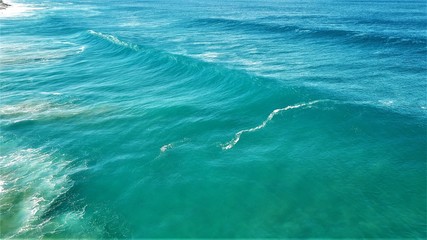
{"type": "Point", "coordinates": [166, 147]}
{"type": "Point", "coordinates": [114, 40]}
{"type": "Point", "coordinates": [236, 138]}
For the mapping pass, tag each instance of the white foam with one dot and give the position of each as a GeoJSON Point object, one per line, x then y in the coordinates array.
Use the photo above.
{"type": "Point", "coordinates": [25, 108]}
{"type": "Point", "coordinates": [1, 186]}
{"type": "Point", "coordinates": [40, 110]}
{"type": "Point", "coordinates": [237, 136]}
{"type": "Point", "coordinates": [114, 40]}
{"type": "Point", "coordinates": [207, 56]}
{"type": "Point", "coordinates": [171, 145]}
{"type": "Point", "coordinates": [46, 110]}
{"type": "Point", "coordinates": [35, 51]}
{"type": "Point", "coordinates": [31, 180]}
{"type": "Point", "coordinates": [81, 49]}
{"type": "Point", "coordinates": [248, 63]}
{"type": "Point", "coordinates": [386, 102]}
{"type": "Point", "coordinates": [18, 10]}
{"type": "Point", "coordinates": [51, 93]}
{"type": "Point", "coordinates": [131, 23]}
{"type": "Point", "coordinates": [166, 147]}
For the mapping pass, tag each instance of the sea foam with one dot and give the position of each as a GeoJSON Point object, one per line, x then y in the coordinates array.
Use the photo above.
{"type": "Point", "coordinates": [19, 10]}
{"type": "Point", "coordinates": [237, 136]}
{"type": "Point", "coordinates": [34, 179]}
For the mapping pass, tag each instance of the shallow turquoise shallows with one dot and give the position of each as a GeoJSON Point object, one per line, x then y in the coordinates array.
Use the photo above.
{"type": "Point", "coordinates": [213, 119]}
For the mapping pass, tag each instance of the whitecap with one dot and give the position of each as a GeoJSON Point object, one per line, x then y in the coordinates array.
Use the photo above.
{"type": "Point", "coordinates": [114, 40]}
{"type": "Point", "coordinates": [386, 102]}
{"type": "Point", "coordinates": [207, 56]}
{"type": "Point", "coordinates": [248, 63]}
{"type": "Point", "coordinates": [171, 145]}
{"type": "Point", "coordinates": [166, 147]}
{"type": "Point", "coordinates": [2, 183]}
{"type": "Point", "coordinates": [130, 23]}
{"type": "Point", "coordinates": [81, 49]}
{"type": "Point", "coordinates": [51, 93]}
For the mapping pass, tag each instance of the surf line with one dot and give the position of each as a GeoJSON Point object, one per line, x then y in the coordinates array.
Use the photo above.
{"type": "Point", "coordinates": [237, 136]}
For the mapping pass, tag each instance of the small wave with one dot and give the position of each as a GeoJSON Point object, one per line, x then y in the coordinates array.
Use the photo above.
{"type": "Point", "coordinates": [329, 33]}
{"type": "Point", "coordinates": [187, 67]}
{"type": "Point", "coordinates": [114, 40]}
{"type": "Point", "coordinates": [237, 136]}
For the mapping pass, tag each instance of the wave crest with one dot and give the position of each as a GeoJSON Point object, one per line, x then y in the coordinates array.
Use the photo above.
{"type": "Point", "coordinates": [114, 40]}
{"type": "Point", "coordinates": [353, 36]}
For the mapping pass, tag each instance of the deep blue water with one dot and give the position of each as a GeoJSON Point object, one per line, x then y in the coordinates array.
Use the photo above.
{"type": "Point", "coordinates": [213, 119]}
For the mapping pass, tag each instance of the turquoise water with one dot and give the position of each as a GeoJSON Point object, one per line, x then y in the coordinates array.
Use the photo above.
{"type": "Point", "coordinates": [213, 119]}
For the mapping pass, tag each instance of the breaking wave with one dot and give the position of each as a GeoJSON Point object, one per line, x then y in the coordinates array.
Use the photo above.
{"type": "Point", "coordinates": [31, 181]}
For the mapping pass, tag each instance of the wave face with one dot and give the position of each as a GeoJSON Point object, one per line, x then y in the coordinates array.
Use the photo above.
{"type": "Point", "coordinates": [179, 119]}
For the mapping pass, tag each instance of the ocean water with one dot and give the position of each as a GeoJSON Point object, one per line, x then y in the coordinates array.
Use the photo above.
{"type": "Point", "coordinates": [213, 119]}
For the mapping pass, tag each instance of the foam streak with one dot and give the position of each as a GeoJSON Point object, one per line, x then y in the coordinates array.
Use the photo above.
{"type": "Point", "coordinates": [237, 136]}
{"type": "Point", "coordinates": [114, 40]}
